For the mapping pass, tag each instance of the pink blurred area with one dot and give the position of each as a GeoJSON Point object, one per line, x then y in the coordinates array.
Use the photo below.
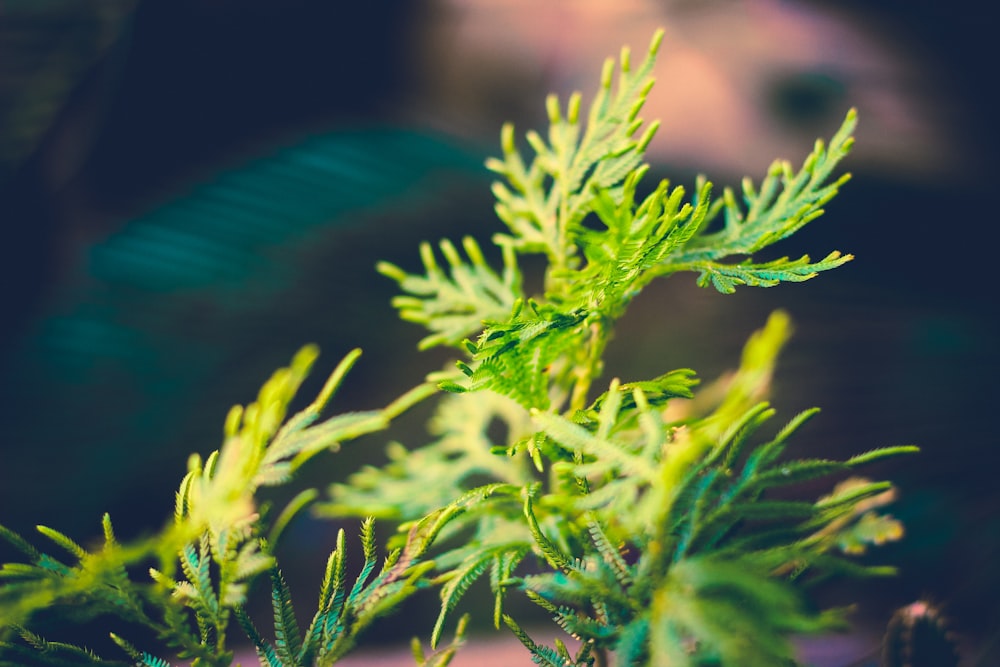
{"type": "Point", "coordinates": [722, 70]}
{"type": "Point", "coordinates": [506, 651]}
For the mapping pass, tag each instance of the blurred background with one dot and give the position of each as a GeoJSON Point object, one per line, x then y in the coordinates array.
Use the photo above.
{"type": "Point", "coordinates": [192, 189]}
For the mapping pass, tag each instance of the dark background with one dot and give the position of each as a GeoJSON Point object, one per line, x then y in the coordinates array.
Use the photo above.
{"type": "Point", "coordinates": [134, 317]}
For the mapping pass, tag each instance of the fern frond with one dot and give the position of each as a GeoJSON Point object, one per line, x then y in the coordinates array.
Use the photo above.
{"type": "Point", "coordinates": [602, 155]}
{"type": "Point", "coordinates": [196, 566]}
{"type": "Point", "coordinates": [601, 456]}
{"type": "Point", "coordinates": [442, 657]}
{"type": "Point", "coordinates": [552, 554]}
{"type": "Point", "coordinates": [458, 583]}
{"type": "Point", "coordinates": [334, 576]}
{"type": "Point", "coordinates": [636, 243]}
{"type": "Point", "coordinates": [299, 446]}
{"type": "Point", "coordinates": [513, 357]}
{"type": "Point", "coordinates": [148, 660]}
{"type": "Point", "coordinates": [727, 277]}
{"type": "Point", "coordinates": [19, 543]}
{"type": "Point", "coordinates": [573, 622]}
{"type": "Point", "coordinates": [288, 642]}
{"type": "Point", "coordinates": [501, 571]}
{"type": "Point", "coordinates": [852, 494]}
{"type": "Point", "coordinates": [794, 472]}
{"type": "Point", "coordinates": [733, 612]}
{"type": "Point", "coordinates": [764, 455]}
{"type": "Point", "coordinates": [465, 449]}
{"type": "Point", "coordinates": [59, 653]}
{"type": "Point", "coordinates": [540, 655]}
{"type": "Point", "coordinates": [71, 547]}
{"type": "Point", "coordinates": [127, 647]}
{"type": "Point", "coordinates": [265, 651]}
{"type": "Point", "coordinates": [657, 392]}
{"type": "Point", "coordinates": [455, 305]}
{"type": "Point", "coordinates": [367, 538]}
{"type": "Point", "coordinates": [610, 554]}
{"type": "Point", "coordinates": [735, 438]}
{"type": "Point", "coordinates": [881, 453]}
{"type": "Point", "coordinates": [786, 201]}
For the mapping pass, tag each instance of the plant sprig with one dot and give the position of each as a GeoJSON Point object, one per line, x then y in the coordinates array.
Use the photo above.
{"type": "Point", "coordinates": [643, 520]}
{"type": "Point", "coordinates": [659, 535]}
{"type": "Point", "coordinates": [207, 557]}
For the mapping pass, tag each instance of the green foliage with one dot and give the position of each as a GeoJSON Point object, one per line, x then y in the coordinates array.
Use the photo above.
{"type": "Point", "coordinates": [399, 490]}
{"type": "Point", "coordinates": [644, 520]}
{"type": "Point", "coordinates": [653, 517]}
{"type": "Point", "coordinates": [204, 561]}
{"type": "Point", "coordinates": [453, 307]}
{"type": "Point", "coordinates": [341, 615]}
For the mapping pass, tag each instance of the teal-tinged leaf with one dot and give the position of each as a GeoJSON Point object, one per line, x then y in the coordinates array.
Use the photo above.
{"type": "Point", "coordinates": [632, 646]}
{"type": "Point", "coordinates": [574, 623]}
{"type": "Point", "coordinates": [152, 661]}
{"type": "Point", "coordinates": [359, 583]}
{"type": "Point", "coordinates": [287, 642]}
{"type": "Point", "coordinates": [265, 651]}
{"type": "Point", "coordinates": [540, 655]}
{"type": "Point", "coordinates": [199, 589]}
{"type": "Point", "coordinates": [459, 582]}
{"type": "Point", "coordinates": [785, 202]}
{"type": "Point", "coordinates": [610, 554]}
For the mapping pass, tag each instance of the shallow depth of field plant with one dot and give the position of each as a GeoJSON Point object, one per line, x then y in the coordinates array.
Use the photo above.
{"type": "Point", "coordinates": [640, 514]}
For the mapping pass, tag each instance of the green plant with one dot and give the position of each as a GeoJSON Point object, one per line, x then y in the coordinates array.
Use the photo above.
{"type": "Point", "coordinates": [640, 518]}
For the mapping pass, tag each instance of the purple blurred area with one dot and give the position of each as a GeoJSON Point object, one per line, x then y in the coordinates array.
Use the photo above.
{"type": "Point", "coordinates": [332, 135]}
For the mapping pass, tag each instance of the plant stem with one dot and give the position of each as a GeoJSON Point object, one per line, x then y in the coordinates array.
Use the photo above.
{"type": "Point", "coordinates": [588, 366]}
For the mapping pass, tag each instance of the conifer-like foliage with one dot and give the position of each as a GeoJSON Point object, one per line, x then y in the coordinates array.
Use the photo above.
{"type": "Point", "coordinates": [643, 522]}
{"type": "Point", "coordinates": [653, 524]}
{"type": "Point", "coordinates": [188, 583]}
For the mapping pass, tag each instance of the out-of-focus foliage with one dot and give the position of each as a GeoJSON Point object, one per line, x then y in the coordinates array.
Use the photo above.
{"type": "Point", "coordinates": [45, 47]}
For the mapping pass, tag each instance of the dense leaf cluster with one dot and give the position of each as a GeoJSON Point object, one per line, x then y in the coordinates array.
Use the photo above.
{"type": "Point", "coordinates": [643, 519]}
{"type": "Point", "coordinates": [655, 520]}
